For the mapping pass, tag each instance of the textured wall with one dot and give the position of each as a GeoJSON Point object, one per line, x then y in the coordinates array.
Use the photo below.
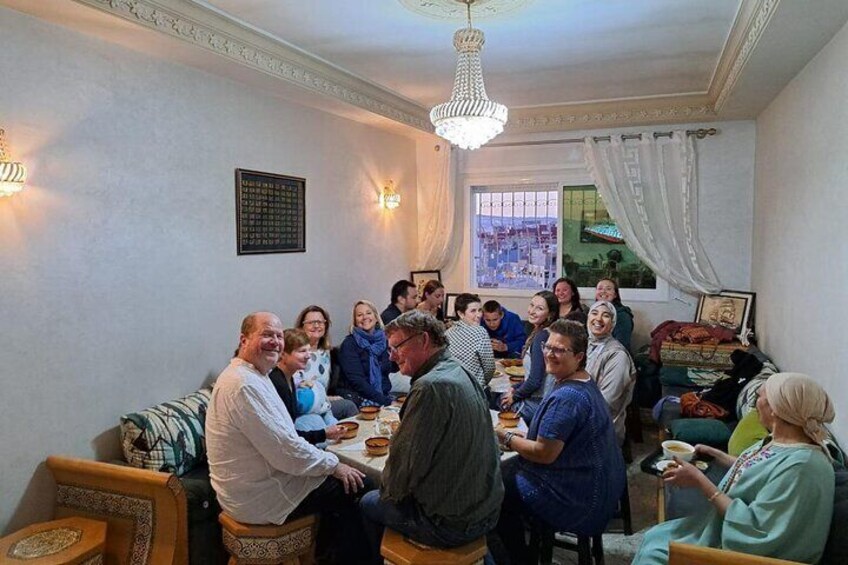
{"type": "Point", "coordinates": [120, 284]}
{"type": "Point", "coordinates": [726, 184]}
{"type": "Point", "coordinates": [800, 262]}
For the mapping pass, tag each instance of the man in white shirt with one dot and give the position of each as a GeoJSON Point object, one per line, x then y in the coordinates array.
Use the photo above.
{"type": "Point", "coordinates": [261, 470]}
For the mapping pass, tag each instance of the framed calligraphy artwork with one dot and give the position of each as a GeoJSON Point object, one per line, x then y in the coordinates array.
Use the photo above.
{"type": "Point", "coordinates": [270, 213]}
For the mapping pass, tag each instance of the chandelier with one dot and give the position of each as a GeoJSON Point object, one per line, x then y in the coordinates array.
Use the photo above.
{"type": "Point", "coordinates": [469, 119]}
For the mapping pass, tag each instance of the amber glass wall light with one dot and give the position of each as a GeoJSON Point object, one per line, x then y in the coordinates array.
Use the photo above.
{"type": "Point", "coordinates": [12, 174]}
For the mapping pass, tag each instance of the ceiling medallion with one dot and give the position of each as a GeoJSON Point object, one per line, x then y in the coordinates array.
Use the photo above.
{"type": "Point", "coordinates": [455, 9]}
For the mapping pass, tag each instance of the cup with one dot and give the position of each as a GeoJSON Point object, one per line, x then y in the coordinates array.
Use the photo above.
{"type": "Point", "coordinates": [673, 448]}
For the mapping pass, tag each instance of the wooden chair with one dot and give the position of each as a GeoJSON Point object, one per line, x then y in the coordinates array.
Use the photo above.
{"type": "Point", "coordinates": [398, 550]}
{"type": "Point", "coordinates": [543, 540]}
{"type": "Point", "coordinates": [292, 543]}
{"type": "Point", "coordinates": [685, 554]}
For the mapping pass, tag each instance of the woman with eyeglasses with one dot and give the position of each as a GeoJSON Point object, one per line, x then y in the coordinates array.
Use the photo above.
{"type": "Point", "coordinates": [364, 359]}
{"type": "Point", "coordinates": [315, 321]}
{"type": "Point", "coordinates": [569, 473]}
{"type": "Point", "coordinates": [542, 312]}
{"type": "Point", "coordinates": [609, 363]}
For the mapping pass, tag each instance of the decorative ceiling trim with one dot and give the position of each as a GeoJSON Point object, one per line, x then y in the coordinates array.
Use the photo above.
{"type": "Point", "coordinates": [611, 114]}
{"type": "Point", "coordinates": [751, 21]}
{"type": "Point", "coordinates": [228, 38]}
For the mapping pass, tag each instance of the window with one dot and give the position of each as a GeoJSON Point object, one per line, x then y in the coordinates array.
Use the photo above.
{"type": "Point", "coordinates": [593, 248]}
{"type": "Point", "coordinates": [519, 230]}
{"type": "Point", "coordinates": [515, 236]}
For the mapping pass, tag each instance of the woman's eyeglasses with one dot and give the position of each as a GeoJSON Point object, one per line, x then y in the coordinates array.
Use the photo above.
{"type": "Point", "coordinates": [555, 351]}
{"type": "Point", "coordinates": [315, 323]}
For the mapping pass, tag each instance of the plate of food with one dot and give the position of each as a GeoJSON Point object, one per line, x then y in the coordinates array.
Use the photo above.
{"type": "Point", "coordinates": [514, 371]}
{"type": "Point", "coordinates": [664, 465]}
{"type": "Point", "coordinates": [512, 362]}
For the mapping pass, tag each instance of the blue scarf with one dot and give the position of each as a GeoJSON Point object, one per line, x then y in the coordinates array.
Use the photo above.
{"type": "Point", "coordinates": [375, 344]}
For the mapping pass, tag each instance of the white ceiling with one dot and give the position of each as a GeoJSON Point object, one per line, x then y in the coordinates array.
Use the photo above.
{"type": "Point", "coordinates": [547, 52]}
{"type": "Point", "coordinates": [557, 64]}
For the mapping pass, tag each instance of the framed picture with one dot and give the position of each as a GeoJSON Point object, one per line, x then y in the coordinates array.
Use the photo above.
{"type": "Point", "coordinates": [450, 306]}
{"type": "Point", "coordinates": [270, 213]}
{"type": "Point", "coordinates": [730, 309]}
{"type": "Point", "coordinates": [420, 278]}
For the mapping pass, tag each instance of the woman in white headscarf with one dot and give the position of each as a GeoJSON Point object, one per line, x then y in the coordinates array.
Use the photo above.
{"type": "Point", "coordinates": [610, 364]}
{"type": "Point", "coordinates": [777, 498]}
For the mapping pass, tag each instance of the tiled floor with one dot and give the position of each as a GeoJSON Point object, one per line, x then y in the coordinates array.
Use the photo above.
{"type": "Point", "coordinates": [618, 548]}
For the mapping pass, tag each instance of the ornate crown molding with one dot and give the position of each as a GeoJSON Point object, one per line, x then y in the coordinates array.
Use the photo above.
{"type": "Point", "coordinates": [213, 31]}
{"type": "Point", "coordinates": [455, 10]}
{"type": "Point", "coordinates": [751, 21]}
{"type": "Point", "coordinates": [612, 113]}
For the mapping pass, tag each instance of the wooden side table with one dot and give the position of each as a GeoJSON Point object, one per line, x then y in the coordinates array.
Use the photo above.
{"type": "Point", "coordinates": [71, 541]}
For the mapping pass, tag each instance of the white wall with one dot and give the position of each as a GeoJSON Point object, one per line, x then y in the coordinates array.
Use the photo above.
{"type": "Point", "coordinates": [120, 286]}
{"type": "Point", "coordinates": [800, 265]}
{"type": "Point", "coordinates": [725, 177]}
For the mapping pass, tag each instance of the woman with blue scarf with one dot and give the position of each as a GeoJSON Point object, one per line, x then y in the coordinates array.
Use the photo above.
{"type": "Point", "coordinates": [364, 359]}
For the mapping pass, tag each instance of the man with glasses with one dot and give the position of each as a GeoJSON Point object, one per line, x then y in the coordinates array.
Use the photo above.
{"type": "Point", "coordinates": [441, 485]}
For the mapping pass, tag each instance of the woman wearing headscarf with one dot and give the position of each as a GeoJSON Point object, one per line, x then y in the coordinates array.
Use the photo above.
{"type": "Point", "coordinates": [777, 498]}
{"type": "Point", "coordinates": [607, 289]}
{"type": "Point", "coordinates": [364, 359]}
{"type": "Point", "coordinates": [610, 364]}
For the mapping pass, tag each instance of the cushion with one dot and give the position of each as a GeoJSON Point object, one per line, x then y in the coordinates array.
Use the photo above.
{"type": "Point", "coordinates": [701, 430]}
{"type": "Point", "coordinates": [168, 437]}
{"type": "Point", "coordinates": [748, 432]}
{"type": "Point", "coordinates": [836, 550]}
{"type": "Point", "coordinates": [675, 376]}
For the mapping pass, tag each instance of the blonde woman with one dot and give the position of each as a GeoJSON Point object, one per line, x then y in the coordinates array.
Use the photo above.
{"type": "Point", "coordinates": [364, 359]}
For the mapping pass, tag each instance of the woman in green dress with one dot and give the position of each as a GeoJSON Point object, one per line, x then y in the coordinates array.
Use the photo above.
{"type": "Point", "coordinates": [777, 498]}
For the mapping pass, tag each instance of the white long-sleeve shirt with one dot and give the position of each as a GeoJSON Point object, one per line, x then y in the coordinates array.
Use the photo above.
{"type": "Point", "coordinates": [260, 468]}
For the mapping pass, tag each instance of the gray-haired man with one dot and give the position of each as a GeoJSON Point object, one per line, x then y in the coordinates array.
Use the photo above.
{"type": "Point", "coordinates": [441, 485]}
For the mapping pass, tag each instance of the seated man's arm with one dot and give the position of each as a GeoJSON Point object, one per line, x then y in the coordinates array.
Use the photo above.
{"type": "Point", "coordinates": [272, 433]}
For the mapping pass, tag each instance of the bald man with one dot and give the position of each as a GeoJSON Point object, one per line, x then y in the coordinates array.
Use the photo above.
{"type": "Point", "coordinates": [261, 470]}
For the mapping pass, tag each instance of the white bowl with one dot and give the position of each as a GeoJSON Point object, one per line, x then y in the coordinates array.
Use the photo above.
{"type": "Point", "coordinates": [680, 449]}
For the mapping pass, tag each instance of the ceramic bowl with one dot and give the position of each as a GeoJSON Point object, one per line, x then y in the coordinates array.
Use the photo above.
{"type": "Point", "coordinates": [377, 446]}
{"type": "Point", "coordinates": [680, 449]}
{"type": "Point", "coordinates": [516, 380]}
{"type": "Point", "coordinates": [369, 412]}
{"type": "Point", "coordinates": [351, 429]}
{"type": "Point", "coordinates": [509, 419]}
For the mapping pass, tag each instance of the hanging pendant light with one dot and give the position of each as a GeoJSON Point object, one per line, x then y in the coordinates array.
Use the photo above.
{"type": "Point", "coordinates": [469, 119]}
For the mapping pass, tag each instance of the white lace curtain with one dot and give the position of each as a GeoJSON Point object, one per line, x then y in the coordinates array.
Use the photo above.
{"type": "Point", "coordinates": [650, 189]}
{"type": "Point", "coordinates": [436, 215]}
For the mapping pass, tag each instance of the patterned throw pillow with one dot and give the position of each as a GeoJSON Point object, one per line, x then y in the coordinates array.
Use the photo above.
{"type": "Point", "coordinates": [168, 437]}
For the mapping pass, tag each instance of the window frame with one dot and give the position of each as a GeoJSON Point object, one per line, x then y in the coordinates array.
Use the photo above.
{"type": "Point", "coordinates": [531, 179]}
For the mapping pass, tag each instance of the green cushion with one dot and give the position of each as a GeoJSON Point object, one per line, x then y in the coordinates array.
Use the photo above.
{"type": "Point", "coordinates": [748, 432]}
{"type": "Point", "coordinates": [168, 437]}
{"type": "Point", "coordinates": [701, 430]}
{"type": "Point", "coordinates": [675, 377]}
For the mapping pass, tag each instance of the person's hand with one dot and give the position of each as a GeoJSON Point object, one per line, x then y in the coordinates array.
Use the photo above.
{"type": "Point", "coordinates": [506, 399]}
{"type": "Point", "coordinates": [350, 477]}
{"type": "Point", "coordinates": [705, 450]}
{"type": "Point", "coordinates": [498, 345]}
{"type": "Point", "coordinates": [334, 432]}
{"type": "Point", "coordinates": [683, 474]}
{"type": "Point", "coordinates": [306, 384]}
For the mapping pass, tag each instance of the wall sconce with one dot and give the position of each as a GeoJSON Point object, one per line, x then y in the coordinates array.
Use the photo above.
{"type": "Point", "coordinates": [12, 174]}
{"type": "Point", "coordinates": [389, 199]}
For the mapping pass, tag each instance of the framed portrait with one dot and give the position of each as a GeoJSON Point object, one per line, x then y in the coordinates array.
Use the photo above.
{"type": "Point", "coordinates": [729, 308]}
{"type": "Point", "coordinates": [450, 306]}
{"type": "Point", "coordinates": [420, 278]}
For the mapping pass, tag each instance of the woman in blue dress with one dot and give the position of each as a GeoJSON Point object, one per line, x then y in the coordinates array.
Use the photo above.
{"type": "Point", "coordinates": [777, 498]}
{"type": "Point", "coordinates": [569, 474]}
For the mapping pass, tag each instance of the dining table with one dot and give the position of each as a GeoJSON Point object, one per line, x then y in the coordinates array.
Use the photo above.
{"type": "Point", "coordinates": [353, 452]}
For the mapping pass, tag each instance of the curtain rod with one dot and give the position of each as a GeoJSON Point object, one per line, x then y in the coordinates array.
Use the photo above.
{"type": "Point", "coordinates": [699, 133]}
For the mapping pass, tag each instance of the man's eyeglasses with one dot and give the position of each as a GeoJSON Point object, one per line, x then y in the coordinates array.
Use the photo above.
{"type": "Point", "coordinates": [315, 323]}
{"type": "Point", "coordinates": [555, 351]}
{"type": "Point", "coordinates": [394, 348]}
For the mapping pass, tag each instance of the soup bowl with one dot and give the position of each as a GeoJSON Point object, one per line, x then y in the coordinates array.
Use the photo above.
{"type": "Point", "coordinates": [350, 429]}
{"type": "Point", "coordinates": [509, 419]}
{"type": "Point", "coordinates": [369, 412]}
{"type": "Point", "coordinates": [376, 446]}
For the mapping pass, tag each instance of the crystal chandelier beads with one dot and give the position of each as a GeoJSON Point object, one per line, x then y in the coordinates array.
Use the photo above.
{"type": "Point", "coordinates": [469, 119]}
